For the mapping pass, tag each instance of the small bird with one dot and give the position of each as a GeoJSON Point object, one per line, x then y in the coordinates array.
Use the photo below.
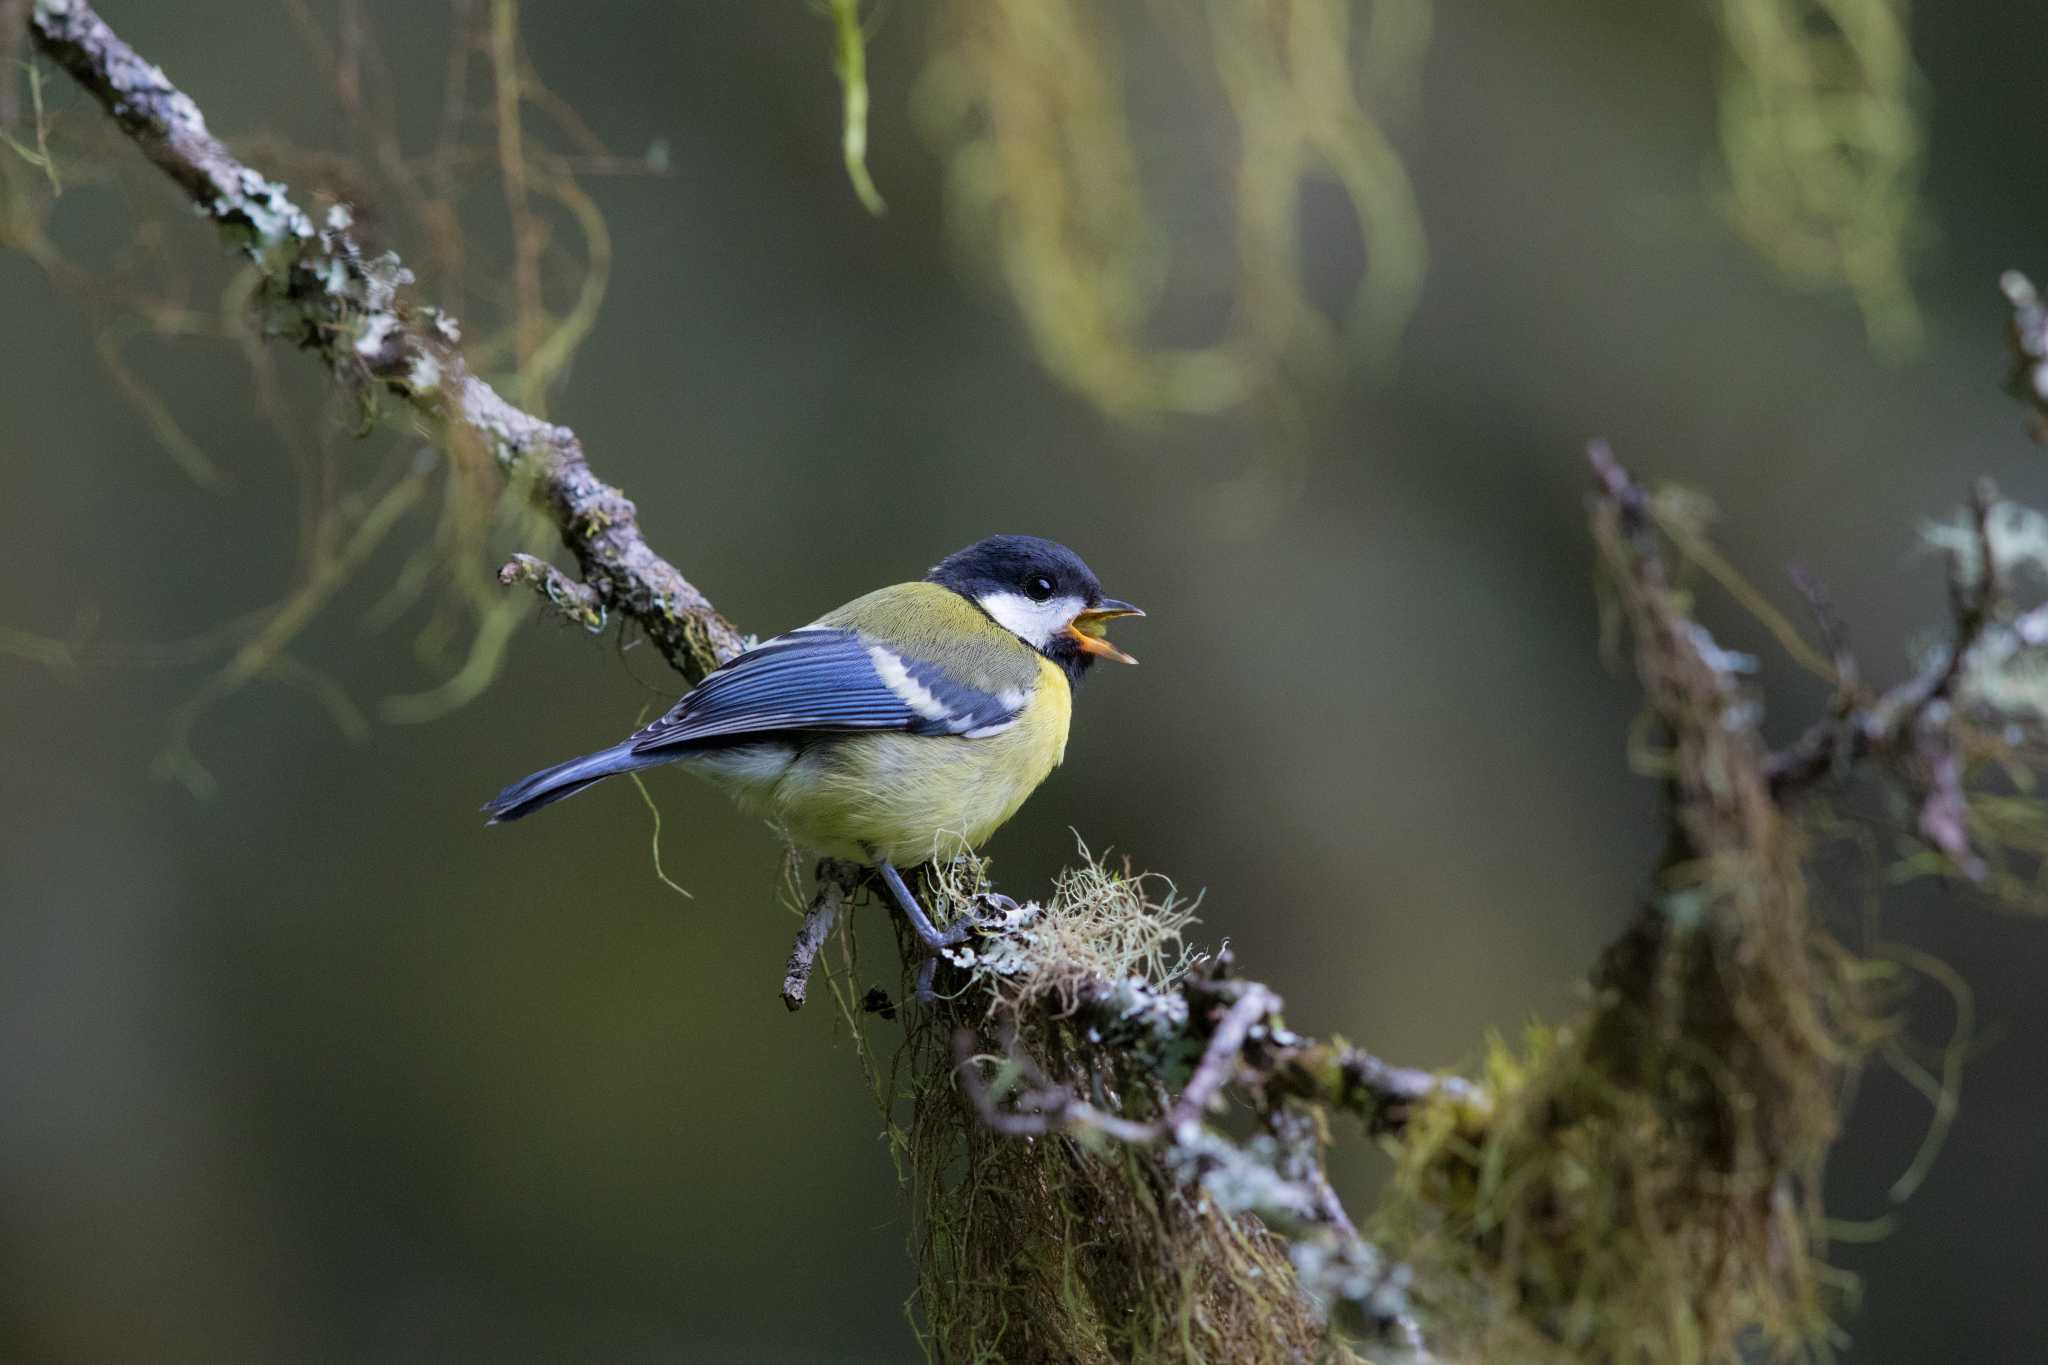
{"type": "Point", "coordinates": [896, 729]}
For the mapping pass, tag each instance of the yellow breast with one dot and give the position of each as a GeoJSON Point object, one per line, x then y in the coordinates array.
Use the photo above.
{"type": "Point", "coordinates": [908, 798]}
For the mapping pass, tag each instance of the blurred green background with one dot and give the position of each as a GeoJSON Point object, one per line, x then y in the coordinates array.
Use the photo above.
{"type": "Point", "coordinates": [319, 1068]}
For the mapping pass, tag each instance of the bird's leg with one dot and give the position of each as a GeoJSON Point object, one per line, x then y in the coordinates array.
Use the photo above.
{"type": "Point", "coordinates": [920, 923]}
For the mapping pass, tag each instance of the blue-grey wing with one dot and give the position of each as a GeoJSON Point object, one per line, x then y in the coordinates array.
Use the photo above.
{"type": "Point", "coordinates": [825, 679]}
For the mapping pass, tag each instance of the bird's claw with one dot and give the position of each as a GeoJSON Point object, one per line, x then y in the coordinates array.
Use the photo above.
{"type": "Point", "coordinates": [986, 909]}
{"type": "Point", "coordinates": [998, 904]}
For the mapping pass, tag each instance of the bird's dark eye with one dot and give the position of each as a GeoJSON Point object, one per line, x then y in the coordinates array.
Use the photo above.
{"type": "Point", "coordinates": [1040, 588]}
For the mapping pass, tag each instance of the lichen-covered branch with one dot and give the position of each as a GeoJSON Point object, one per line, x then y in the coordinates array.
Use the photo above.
{"type": "Point", "coordinates": [1115, 1144]}
{"type": "Point", "coordinates": [1911, 722]}
{"type": "Point", "coordinates": [1644, 1182]}
{"type": "Point", "coordinates": [1080, 1079]}
{"type": "Point", "coordinates": [322, 291]}
{"type": "Point", "coordinates": [836, 882]}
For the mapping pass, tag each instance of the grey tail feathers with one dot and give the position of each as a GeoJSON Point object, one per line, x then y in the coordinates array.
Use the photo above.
{"type": "Point", "coordinates": [550, 785]}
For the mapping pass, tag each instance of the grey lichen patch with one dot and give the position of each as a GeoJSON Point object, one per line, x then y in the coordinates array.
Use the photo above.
{"type": "Point", "coordinates": [375, 339]}
{"type": "Point", "coordinates": [1134, 1006]}
{"type": "Point", "coordinates": [443, 325]}
{"type": "Point", "coordinates": [2003, 675]}
{"type": "Point", "coordinates": [2029, 336]}
{"type": "Point", "coordinates": [423, 375]}
{"type": "Point", "coordinates": [263, 209]}
{"type": "Point", "coordinates": [1239, 1179]}
{"type": "Point", "coordinates": [382, 278]}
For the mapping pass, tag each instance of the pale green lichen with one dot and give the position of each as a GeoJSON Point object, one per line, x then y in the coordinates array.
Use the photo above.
{"type": "Point", "coordinates": [850, 65]}
{"type": "Point", "coordinates": [1098, 925]}
{"type": "Point", "coordinates": [1026, 101]}
{"type": "Point", "coordinates": [39, 155]}
{"type": "Point", "coordinates": [1822, 146]}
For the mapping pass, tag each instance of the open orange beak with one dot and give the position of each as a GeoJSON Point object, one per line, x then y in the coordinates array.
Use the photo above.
{"type": "Point", "coordinates": [1087, 629]}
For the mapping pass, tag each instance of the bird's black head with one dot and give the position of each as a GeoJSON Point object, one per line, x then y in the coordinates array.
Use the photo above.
{"type": "Point", "coordinates": [1041, 592]}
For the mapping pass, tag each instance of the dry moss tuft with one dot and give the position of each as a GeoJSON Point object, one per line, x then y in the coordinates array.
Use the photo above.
{"type": "Point", "coordinates": [1100, 924]}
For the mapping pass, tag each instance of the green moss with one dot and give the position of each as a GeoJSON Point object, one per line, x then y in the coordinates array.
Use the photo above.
{"type": "Point", "coordinates": [1647, 1184]}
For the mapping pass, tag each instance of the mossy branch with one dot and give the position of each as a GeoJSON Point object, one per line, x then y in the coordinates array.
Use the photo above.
{"type": "Point", "coordinates": [323, 291]}
{"type": "Point", "coordinates": [1641, 1183]}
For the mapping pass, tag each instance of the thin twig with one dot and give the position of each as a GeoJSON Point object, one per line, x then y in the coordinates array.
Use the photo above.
{"type": "Point", "coordinates": [1219, 1060]}
{"type": "Point", "coordinates": [836, 881]}
{"type": "Point", "coordinates": [1914, 719]}
{"type": "Point", "coordinates": [2028, 334]}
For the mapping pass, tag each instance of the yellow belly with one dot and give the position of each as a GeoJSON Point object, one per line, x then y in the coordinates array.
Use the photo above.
{"type": "Point", "coordinates": [905, 799]}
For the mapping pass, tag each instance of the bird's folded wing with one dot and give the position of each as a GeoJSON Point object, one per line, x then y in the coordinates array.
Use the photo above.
{"type": "Point", "coordinates": [827, 679]}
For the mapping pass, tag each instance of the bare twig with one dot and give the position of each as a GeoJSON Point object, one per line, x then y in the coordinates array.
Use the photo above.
{"type": "Point", "coordinates": [2029, 337]}
{"type": "Point", "coordinates": [1944, 812]}
{"type": "Point", "coordinates": [836, 882]}
{"type": "Point", "coordinates": [1833, 634]}
{"type": "Point", "coordinates": [1220, 1059]}
{"type": "Point", "coordinates": [1040, 1106]}
{"type": "Point", "coordinates": [579, 602]}
{"type": "Point", "coordinates": [1914, 719]}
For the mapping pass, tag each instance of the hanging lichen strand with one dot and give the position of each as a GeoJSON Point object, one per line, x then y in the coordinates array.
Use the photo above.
{"type": "Point", "coordinates": [1024, 100]}
{"type": "Point", "coordinates": [1821, 149]}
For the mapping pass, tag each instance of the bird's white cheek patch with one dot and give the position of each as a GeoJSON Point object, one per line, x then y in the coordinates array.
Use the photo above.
{"type": "Point", "coordinates": [1035, 623]}
{"type": "Point", "coordinates": [913, 693]}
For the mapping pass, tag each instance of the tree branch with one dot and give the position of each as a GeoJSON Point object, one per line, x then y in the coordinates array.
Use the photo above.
{"type": "Point", "coordinates": [322, 292]}
{"type": "Point", "coordinates": [1914, 718]}
{"type": "Point", "coordinates": [837, 880]}
{"type": "Point", "coordinates": [2028, 334]}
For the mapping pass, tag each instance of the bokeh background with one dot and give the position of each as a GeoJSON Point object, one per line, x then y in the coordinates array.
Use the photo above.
{"type": "Point", "coordinates": [318, 1068]}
